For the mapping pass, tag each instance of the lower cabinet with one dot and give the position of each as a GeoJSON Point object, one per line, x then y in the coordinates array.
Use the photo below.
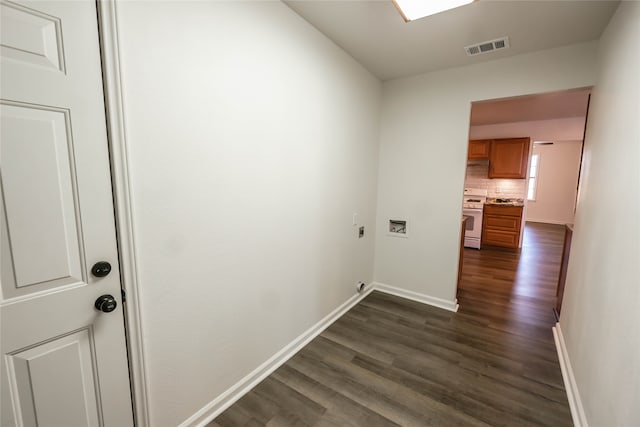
{"type": "Point", "coordinates": [501, 226]}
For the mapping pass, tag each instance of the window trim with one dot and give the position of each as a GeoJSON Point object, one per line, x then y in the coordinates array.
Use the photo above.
{"type": "Point", "coordinates": [532, 182]}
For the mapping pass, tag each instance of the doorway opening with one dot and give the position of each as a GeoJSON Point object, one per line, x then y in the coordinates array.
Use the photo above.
{"type": "Point", "coordinates": [522, 177]}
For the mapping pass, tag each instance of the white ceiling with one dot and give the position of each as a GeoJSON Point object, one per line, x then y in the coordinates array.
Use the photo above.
{"type": "Point", "coordinates": [374, 33]}
{"type": "Point", "coordinates": [555, 105]}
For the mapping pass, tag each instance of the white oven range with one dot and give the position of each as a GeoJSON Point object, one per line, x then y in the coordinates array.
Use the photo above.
{"type": "Point", "coordinates": [472, 206]}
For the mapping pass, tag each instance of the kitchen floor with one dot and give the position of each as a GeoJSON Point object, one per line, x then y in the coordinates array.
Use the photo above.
{"type": "Point", "coordinates": [391, 361]}
{"type": "Point", "coordinates": [520, 288]}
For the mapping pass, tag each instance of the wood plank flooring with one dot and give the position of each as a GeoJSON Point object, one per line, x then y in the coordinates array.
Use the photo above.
{"type": "Point", "coordinates": [390, 361]}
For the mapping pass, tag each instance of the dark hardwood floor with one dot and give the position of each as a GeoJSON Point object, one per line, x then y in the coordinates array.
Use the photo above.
{"type": "Point", "coordinates": [390, 361]}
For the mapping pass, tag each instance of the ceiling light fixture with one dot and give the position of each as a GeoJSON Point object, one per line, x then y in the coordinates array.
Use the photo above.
{"type": "Point", "coordinates": [416, 9]}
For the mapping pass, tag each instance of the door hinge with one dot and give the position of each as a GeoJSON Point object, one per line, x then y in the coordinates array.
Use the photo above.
{"type": "Point", "coordinates": [124, 296]}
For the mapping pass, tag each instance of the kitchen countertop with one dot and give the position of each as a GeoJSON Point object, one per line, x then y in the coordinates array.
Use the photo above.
{"type": "Point", "coordinates": [515, 202]}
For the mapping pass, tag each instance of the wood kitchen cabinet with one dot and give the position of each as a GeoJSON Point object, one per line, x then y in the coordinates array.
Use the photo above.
{"type": "Point", "coordinates": [479, 149]}
{"type": "Point", "coordinates": [501, 226]}
{"type": "Point", "coordinates": [508, 158]}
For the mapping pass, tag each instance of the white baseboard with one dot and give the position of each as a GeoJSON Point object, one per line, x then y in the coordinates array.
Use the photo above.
{"type": "Point", "coordinates": [573, 395]}
{"type": "Point", "coordinates": [233, 394]}
{"type": "Point", "coordinates": [415, 296]}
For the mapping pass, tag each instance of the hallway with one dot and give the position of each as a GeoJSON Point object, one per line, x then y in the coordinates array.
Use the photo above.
{"type": "Point", "coordinates": [515, 291]}
{"type": "Point", "coordinates": [391, 361]}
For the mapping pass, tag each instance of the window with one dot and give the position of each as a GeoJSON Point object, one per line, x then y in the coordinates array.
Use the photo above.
{"type": "Point", "coordinates": [533, 177]}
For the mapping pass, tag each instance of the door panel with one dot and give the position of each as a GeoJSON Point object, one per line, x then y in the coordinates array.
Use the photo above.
{"type": "Point", "coordinates": [38, 182]}
{"type": "Point", "coordinates": [55, 382]}
{"type": "Point", "coordinates": [63, 362]}
{"type": "Point", "coordinates": [31, 36]}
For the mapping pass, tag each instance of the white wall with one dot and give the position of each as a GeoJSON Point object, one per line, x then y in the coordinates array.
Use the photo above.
{"type": "Point", "coordinates": [600, 316]}
{"type": "Point", "coordinates": [424, 139]}
{"type": "Point", "coordinates": [557, 187]}
{"type": "Point", "coordinates": [253, 140]}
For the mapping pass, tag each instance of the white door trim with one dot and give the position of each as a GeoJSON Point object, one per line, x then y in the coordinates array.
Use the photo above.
{"type": "Point", "coordinates": [108, 30]}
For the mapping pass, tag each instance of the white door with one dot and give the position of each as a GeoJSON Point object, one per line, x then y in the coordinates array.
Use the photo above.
{"type": "Point", "coordinates": [64, 362]}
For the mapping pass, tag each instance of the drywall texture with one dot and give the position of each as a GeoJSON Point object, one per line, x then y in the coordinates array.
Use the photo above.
{"type": "Point", "coordinates": [253, 140]}
{"type": "Point", "coordinates": [557, 187]}
{"type": "Point", "coordinates": [600, 319]}
{"type": "Point", "coordinates": [423, 146]}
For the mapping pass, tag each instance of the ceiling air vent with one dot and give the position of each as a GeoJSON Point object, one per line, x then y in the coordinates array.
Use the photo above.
{"type": "Point", "coordinates": [488, 46]}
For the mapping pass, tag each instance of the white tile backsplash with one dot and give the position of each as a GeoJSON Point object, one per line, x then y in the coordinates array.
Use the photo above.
{"type": "Point", "coordinates": [478, 177]}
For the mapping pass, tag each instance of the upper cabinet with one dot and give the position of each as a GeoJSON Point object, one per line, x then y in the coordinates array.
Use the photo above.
{"type": "Point", "coordinates": [479, 149]}
{"type": "Point", "coordinates": [508, 158]}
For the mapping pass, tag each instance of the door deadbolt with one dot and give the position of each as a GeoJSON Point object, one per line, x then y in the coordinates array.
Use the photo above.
{"type": "Point", "coordinates": [101, 269]}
